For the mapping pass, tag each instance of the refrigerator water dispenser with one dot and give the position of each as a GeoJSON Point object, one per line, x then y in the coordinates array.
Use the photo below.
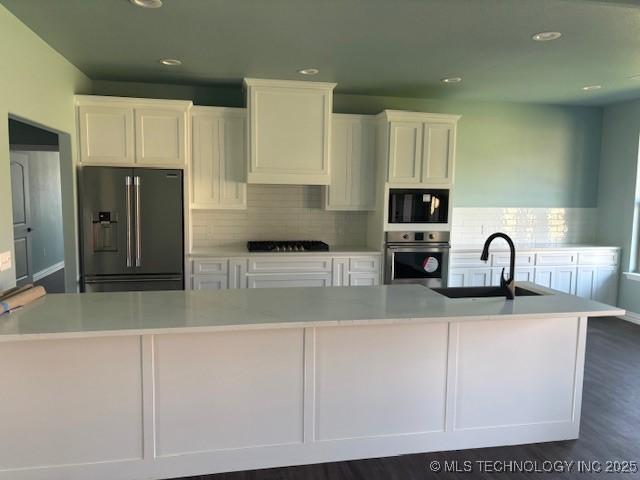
{"type": "Point", "coordinates": [105, 232]}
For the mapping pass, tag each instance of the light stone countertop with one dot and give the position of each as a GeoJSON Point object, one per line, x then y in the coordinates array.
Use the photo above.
{"type": "Point", "coordinates": [241, 251]}
{"type": "Point", "coordinates": [134, 313]}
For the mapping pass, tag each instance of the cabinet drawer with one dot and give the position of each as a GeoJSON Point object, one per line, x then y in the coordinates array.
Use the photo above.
{"type": "Point", "coordinates": [502, 259]}
{"type": "Point", "coordinates": [364, 279]}
{"type": "Point", "coordinates": [278, 264]}
{"type": "Point", "coordinates": [467, 260]}
{"type": "Point", "coordinates": [596, 257]}
{"type": "Point", "coordinates": [209, 282]}
{"type": "Point", "coordinates": [210, 266]}
{"type": "Point", "coordinates": [557, 258]}
{"type": "Point", "coordinates": [288, 281]}
{"type": "Point", "coordinates": [364, 264]}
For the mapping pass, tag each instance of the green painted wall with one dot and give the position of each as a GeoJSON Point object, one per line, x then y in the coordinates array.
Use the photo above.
{"type": "Point", "coordinates": [46, 209]}
{"type": "Point", "coordinates": [37, 84]}
{"type": "Point", "coordinates": [509, 155]}
{"type": "Point", "coordinates": [617, 192]}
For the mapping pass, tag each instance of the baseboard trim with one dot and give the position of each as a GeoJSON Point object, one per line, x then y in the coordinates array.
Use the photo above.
{"type": "Point", "coordinates": [48, 271]}
{"type": "Point", "coordinates": [631, 317]}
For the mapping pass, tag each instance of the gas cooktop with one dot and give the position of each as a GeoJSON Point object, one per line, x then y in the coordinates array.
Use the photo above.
{"type": "Point", "coordinates": [288, 246]}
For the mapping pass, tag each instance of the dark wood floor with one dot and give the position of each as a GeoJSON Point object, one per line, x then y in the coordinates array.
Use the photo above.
{"type": "Point", "coordinates": [610, 428]}
{"type": "Point", "coordinates": [53, 283]}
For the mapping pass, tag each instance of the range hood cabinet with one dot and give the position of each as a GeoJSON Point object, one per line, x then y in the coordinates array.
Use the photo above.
{"type": "Point", "coordinates": [289, 131]}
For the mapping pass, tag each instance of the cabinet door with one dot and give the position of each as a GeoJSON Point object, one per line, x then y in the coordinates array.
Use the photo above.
{"type": "Point", "coordinates": [437, 156]}
{"type": "Point", "coordinates": [352, 164]}
{"type": "Point", "coordinates": [289, 280]}
{"type": "Point", "coordinates": [205, 161]}
{"type": "Point", "coordinates": [338, 193]}
{"type": "Point", "coordinates": [363, 170]}
{"type": "Point", "coordinates": [218, 160]}
{"type": "Point", "coordinates": [544, 277]}
{"type": "Point", "coordinates": [478, 277]}
{"type": "Point", "coordinates": [405, 152]}
{"type": "Point", "coordinates": [564, 279]}
{"type": "Point", "coordinates": [160, 136]}
{"type": "Point", "coordinates": [457, 277]}
{"type": "Point", "coordinates": [606, 285]}
{"type": "Point", "coordinates": [238, 273]}
{"type": "Point", "coordinates": [364, 279]}
{"type": "Point", "coordinates": [209, 282]}
{"type": "Point", "coordinates": [106, 135]}
{"type": "Point", "coordinates": [340, 272]}
{"type": "Point", "coordinates": [586, 282]}
{"type": "Point", "coordinates": [233, 187]}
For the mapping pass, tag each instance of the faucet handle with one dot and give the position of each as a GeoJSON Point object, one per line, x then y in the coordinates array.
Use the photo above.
{"type": "Point", "coordinates": [505, 281]}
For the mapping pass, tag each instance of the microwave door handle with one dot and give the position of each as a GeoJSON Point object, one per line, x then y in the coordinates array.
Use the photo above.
{"type": "Point", "coordinates": [136, 186]}
{"type": "Point", "coordinates": [127, 184]}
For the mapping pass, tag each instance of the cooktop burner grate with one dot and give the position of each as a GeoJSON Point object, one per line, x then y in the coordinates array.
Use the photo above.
{"type": "Point", "coordinates": [287, 246]}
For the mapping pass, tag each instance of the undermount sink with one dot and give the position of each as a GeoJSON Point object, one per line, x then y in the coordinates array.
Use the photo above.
{"type": "Point", "coordinates": [482, 292]}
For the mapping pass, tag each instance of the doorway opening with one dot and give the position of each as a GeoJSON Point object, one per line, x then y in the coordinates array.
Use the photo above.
{"type": "Point", "coordinates": [36, 193]}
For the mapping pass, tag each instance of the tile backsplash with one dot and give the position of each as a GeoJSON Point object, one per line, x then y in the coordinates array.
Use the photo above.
{"type": "Point", "coordinates": [279, 212]}
{"type": "Point", "coordinates": [471, 226]}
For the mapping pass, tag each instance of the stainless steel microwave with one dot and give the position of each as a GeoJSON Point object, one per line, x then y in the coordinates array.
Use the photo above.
{"type": "Point", "coordinates": [413, 205]}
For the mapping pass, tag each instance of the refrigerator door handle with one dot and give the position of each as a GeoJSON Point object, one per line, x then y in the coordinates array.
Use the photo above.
{"type": "Point", "coordinates": [136, 186]}
{"type": "Point", "coordinates": [127, 182]}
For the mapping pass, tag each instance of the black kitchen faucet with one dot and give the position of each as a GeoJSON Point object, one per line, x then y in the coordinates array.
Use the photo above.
{"type": "Point", "coordinates": [509, 284]}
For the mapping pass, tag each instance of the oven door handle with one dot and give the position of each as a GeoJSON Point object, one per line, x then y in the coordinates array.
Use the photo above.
{"type": "Point", "coordinates": [419, 247]}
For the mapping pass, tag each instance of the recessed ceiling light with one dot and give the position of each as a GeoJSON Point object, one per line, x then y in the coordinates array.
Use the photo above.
{"type": "Point", "coordinates": [171, 62]}
{"type": "Point", "coordinates": [546, 36]}
{"type": "Point", "coordinates": [591, 87]}
{"type": "Point", "coordinates": [309, 71]}
{"type": "Point", "coordinates": [451, 80]}
{"type": "Point", "coordinates": [147, 3]}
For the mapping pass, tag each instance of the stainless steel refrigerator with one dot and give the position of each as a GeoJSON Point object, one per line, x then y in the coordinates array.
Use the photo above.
{"type": "Point", "coordinates": [132, 229]}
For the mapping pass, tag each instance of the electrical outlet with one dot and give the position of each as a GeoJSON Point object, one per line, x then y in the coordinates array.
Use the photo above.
{"type": "Point", "coordinates": [5, 260]}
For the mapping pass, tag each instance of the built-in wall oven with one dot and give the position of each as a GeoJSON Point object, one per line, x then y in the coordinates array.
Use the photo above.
{"type": "Point", "coordinates": [417, 257]}
{"type": "Point", "coordinates": [417, 205]}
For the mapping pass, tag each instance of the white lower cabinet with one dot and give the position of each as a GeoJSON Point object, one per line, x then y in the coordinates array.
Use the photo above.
{"type": "Point", "coordinates": [470, 277]}
{"type": "Point", "coordinates": [280, 271]}
{"type": "Point", "coordinates": [592, 273]}
{"type": "Point", "coordinates": [558, 278]}
{"type": "Point", "coordinates": [597, 283]}
{"type": "Point", "coordinates": [285, 280]}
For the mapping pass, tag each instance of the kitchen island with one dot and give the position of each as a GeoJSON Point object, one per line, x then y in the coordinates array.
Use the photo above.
{"type": "Point", "coordinates": [158, 385]}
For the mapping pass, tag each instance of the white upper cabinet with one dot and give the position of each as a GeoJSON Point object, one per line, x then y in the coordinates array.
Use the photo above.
{"type": "Point", "coordinates": [106, 134]}
{"type": "Point", "coordinates": [353, 141]}
{"type": "Point", "coordinates": [132, 131]}
{"type": "Point", "coordinates": [421, 148]}
{"type": "Point", "coordinates": [218, 168]}
{"type": "Point", "coordinates": [405, 152]}
{"type": "Point", "coordinates": [161, 136]}
{"type": "Point", "coordinates": [289, 130]}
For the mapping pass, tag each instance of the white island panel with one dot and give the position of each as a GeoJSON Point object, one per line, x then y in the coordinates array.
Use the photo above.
{"type": "Point", "coordinates": [228, 390]}
{"type": "Point", "coordinates": [517, 373]}
{"type": "Point", "coordinates": [66, 402]}
{"type": "Point", "coordinates": [380, 380]}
